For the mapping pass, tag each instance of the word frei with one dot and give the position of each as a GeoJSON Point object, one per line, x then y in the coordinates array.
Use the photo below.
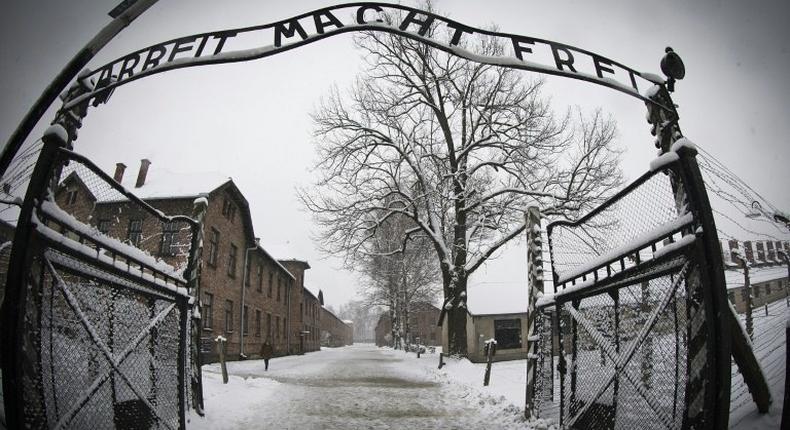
{"type": "Point", "coordinates": [255, 42]}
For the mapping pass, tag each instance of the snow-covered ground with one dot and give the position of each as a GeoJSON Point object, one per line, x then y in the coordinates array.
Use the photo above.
{"type": "Point", "coordinates": [770, 347]}
{"type": "Point", "coordinates": [362, 386]}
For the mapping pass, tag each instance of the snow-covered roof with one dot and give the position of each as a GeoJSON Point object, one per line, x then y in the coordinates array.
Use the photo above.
{"type": "Point", "coordinates": [756, 275]}
{"type": "Point", "coordinates": [310, 291]}
{"type": "Point", "coordinates": [493, 299]}
{"type": "Point", "coordinates": [162, 183]}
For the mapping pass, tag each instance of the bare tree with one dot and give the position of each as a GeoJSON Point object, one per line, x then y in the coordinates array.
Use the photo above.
{"type": "Point", "coordinates": [396, 280]}
{"type": "Point", "coordinates": [458, 148]}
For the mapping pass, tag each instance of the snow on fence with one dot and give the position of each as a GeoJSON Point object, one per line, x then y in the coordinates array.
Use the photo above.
{"type": "Point", "coordinates": [104, 337]}
{"type": "Point", "coordinates": [616, 346]}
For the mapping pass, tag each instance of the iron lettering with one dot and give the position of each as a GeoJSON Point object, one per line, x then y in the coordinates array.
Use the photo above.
{"type": "Point", "coordinates": [527, 53]}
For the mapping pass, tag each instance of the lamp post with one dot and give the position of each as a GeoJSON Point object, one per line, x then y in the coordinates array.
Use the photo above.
{"type": "Point", "coordinates": [243, 293]}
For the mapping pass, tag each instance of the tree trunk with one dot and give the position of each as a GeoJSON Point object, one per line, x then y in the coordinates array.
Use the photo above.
{"type": "Point", "coordinates": [456, 320]}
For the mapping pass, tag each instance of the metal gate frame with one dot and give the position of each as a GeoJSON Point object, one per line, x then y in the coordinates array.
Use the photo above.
{"type": "Point", "coordinates": [23, 383]}
{"type": "Point", "coordinates": [710, 372]}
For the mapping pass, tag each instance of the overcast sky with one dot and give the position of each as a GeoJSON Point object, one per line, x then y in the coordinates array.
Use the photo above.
{"type": "Point", "coordinates": [250, 120]}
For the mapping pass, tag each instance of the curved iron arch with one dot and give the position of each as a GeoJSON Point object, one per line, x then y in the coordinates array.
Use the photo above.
{"type": "Point", "coordinates": [563, 53]}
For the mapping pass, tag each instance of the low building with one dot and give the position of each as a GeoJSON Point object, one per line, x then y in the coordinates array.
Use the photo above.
{"type": "Point", "coordinates": [768, 284]}
{"type": "Point", "coordinates": [497, 315]}
{"type": "Point", "coordinates": [768, 272]}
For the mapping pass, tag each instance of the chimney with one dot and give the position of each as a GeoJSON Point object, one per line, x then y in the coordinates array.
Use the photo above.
{"type": "Point", "coordinates": [144, 163]}
{"type": "Point", "coordinates": [119, 169]}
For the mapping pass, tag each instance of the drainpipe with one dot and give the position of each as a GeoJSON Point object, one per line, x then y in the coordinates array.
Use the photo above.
{"type": "Point", "coordinates": [243, 293]}
{"type": "Point", "coordinates": [288, 317]}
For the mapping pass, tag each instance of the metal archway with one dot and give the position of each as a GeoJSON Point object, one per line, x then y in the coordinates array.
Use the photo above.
{"type": "Point", "coordinates": [39, 260]}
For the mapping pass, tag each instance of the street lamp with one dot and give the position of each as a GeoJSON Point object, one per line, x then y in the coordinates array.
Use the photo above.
{"type": "Point", "coordinates": [243, 293]}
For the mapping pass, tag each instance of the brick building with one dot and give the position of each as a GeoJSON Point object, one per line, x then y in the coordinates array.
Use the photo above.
{"type": "Point", "coordinates": [422, 323]}
{"type": "Point", "coordinates": [311, 322]}
{"type": "Point", "coordinates": [334, 331]}
{"type": "Point", "coordinates": [273, 303]}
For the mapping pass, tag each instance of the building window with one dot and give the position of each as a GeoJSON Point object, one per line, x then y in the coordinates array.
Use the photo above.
{"type": "Point", "coordinates": [260, 278]}
{"type": "Point", "coordinates": [228, 209]}
{"type": "Point", "coordinates": [245, 321]}
{"type": "Point", "coordinates": [271, 282]}
{"type": "Point", "coordinates": [232, 260]}
{"type": "Point", "coordinates": [228, 316]}
{"type": "Point", "coordinates": [744, 294]}
{"type": "Point", "coordinates": [169, 233]}
{"type": "Point", "coordinates": [756, 289]}
{"type": "Point", "coordinates": [285, 328]}
{"type": "Point", "coordinates": [208, 310]}
{"type": "Point", "coordinates": [279, 286]}
{"type": "Point", "coordinates": [257, 322]}
{"type": "Point", "coordinates": [768, 289]}
{"type": "Point", "coordinates": [508, 333]}
{"type": "Point", "coordinates": [213, 247]}
{"type": "Point", "coordinates": [269, 326]}
{"type": "Point", "coordinates": [71, 196]}
{"type": "Point", "coordinates": [277, 327]}
{"type": "Point", "coordinates": [135, 235]}
{"type": "Point", "coordinates": [104, 226]}
{"type": "Point", "coordinates": [246, 271]}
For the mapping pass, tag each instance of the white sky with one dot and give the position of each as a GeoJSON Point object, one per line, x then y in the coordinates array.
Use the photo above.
{"type": "Point", "coordinates": [250, 120]}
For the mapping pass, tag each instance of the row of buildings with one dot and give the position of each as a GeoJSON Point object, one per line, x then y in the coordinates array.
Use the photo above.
{"type": "Point", "coordinates": [506, 320]}
{"type": "Point", "coordinates": [768, 271]}
{"type": "Point", "coordinates": [247, 296]}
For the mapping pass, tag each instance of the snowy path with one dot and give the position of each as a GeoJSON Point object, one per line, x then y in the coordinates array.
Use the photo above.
{"type": "Point", "coordinates": [357, 387]}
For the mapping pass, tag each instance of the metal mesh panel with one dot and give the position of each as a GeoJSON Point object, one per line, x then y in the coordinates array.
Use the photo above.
{"type": "Point", "coordinates": [547, 389]}
{"type": "Point", "coordinates": [634, 349]}
{"type": "Point", "coordinates": [91, 199]}
{"type": "Point", "coordinates": [85, 319]}
{"type": "Point", "coordinates": [103, 329]}
{"type": "Point", "coordinates": [649, 391]}
{"type": "Point", "coordinates": [16, 178]}
{"type": "Point", "coordinates": [617, 227]}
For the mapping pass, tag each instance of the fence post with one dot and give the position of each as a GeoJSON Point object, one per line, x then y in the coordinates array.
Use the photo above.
{"type": "Point", "coordinates": [748, 288]}
{"type": "Point", "coordinates": [194, 267]}
{"type": "Point", "coordinates": [535, 286]}
{"type": "Point", "coordinates": [786, 408]}
{"type": "Point", "coordinates": [707, 288]}
{"type": "Point", "coordinates": [222, 341]}
{"type": "Point", "coordinates": [16, 293]}
{"type": "Point", "coordinates": [490, 350]}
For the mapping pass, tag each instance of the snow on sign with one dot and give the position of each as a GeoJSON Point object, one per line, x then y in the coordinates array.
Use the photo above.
{"type": "Point", "coordinates": [243, 44]}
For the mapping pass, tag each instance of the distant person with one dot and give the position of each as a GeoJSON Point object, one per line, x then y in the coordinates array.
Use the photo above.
{"type": "Point", "coordinates": [266, 353]}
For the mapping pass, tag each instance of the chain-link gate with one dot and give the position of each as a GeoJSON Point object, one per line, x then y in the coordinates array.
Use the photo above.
{"type": "Point", "coordinates": [636, 341]}
{"type": "Point", "coordinates": [96, 330]}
